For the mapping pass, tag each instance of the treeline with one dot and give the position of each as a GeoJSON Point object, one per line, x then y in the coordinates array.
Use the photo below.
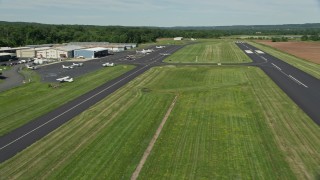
{"type": "Point", "coordinates": [20, 34]}
{"type": "Point", "coordinates": [286, 29]}
{"type": "Point", "coordinates": [315, 37]}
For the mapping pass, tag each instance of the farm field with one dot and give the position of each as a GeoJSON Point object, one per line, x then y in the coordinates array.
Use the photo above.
{"type": "Point", "coordinates": [309, 51]}
{"type": "Point", "coordinates": [306, 66]}
{"type": "Point", "coordinates": [22, 104]}
{"type": "Point", "coordinates": [228, 122]}
{"type": "Point", "coordinates": [213, 51]}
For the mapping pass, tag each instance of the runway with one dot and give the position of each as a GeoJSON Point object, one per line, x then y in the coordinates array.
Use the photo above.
{"type": "Point", "coordinates": [301, 87]}
{"type": "Point", "coordinates": [22, 137]}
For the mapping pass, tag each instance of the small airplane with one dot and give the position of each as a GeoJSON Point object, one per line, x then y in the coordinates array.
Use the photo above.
{"type": "Point", "coordinates": [108, 64]}
{"type": "Point", "coordinates": [145, 51]}
{"type": "Point", "coordinates": [67, 67]}
{"type": "Point", "coordinates": [160, 47]}
{"type": "Point", "coordinates": [164, 54]}
{"type": "Point", "coordinates": [77, 64]}
{"type": "Point", "coordinates": [31, 67]}
{"type": "Point", "coordinates": [130, 57]}
{"type": "Point", "coordinates": [65, 79]}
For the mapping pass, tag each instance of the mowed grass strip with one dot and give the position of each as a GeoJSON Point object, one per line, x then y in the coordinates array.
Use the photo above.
{"type": "Point", "coordinates": [220, 129]}
{"type": "Point", "coordinates": [104, 142]}
{"type": "Point", "coordinates": [22, 104]}
{"type": "Point", "coordinates": [306, 66]}
{"type": "Point", "coordinates": [295, 133]}
{"type": "Point", "coordinates": [214, 51]}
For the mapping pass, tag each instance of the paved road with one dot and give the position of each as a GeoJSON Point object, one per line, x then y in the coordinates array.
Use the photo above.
{"type": "Point", "coordinates": [301, 87]}
{"type": "Point", "coordinates": [26, 135]}
{"type": "Point", "coordinates": [12, 78]}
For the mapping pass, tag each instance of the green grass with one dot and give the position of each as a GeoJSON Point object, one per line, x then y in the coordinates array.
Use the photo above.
{"type": "Point", "coordinates": [213, 51]}
{"type": "Point", "coordinates": [227, 123]}
{"type": "Point", "coordinates": [104, 142]}
{"type": "Point", "coordinates": [306, 66]}
{"type": "Point", "coordinates": [22, 104]}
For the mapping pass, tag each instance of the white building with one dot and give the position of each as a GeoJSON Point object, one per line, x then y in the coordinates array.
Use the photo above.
{"type": "Point", "coordinates": [116, 48]}
{"type": "Point", "coordinates": [58, 52]}
{"type": "Point", "coordinates": [31, 52]}
{"type": "Point", "coordinates": [178, 38]}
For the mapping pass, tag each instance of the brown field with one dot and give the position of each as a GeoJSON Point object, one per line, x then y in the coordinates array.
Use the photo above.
{"type": "Point", "coordinates": [306, 50]}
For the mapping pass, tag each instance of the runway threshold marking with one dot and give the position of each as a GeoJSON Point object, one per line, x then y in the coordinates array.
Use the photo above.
{"type": "Point", "coordinates": [259, 52]}
{"type": "Point", "coordinates": [248, 51]}
{"type": "Point", "coordinates": [74, 106]}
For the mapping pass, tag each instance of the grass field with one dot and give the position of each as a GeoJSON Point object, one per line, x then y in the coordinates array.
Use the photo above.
{"type": "Point", "coordinates": [213, 51]}
{"type": "Point", "coordinates": [22, 104]}
{"type": "Point", "coordinates": [227, 123]}
{"type": "Point", "coordinates": [306, 66]}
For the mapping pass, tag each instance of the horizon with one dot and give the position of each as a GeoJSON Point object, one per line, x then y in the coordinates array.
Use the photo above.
{"type": "Point", "coordinates": [168, 26]}
{"type": "Point", "coordinates": [161, 13]}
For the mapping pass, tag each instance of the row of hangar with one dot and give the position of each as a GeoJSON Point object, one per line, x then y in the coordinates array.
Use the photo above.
{"type": "Point", "coordinates": [70, 50]}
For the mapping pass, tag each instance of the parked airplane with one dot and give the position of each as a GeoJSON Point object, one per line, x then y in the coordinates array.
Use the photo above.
{"type": "Point", "coordinates": [108, 64]}
{"type": "Point", "coordinates": [65, 79]}
{"type": "Point", "coordinates": [145, 51]}
{"type": "Point", "coordinates": [31, 67]}
{"type": "Point", "coordinates": [160, 47]}
{"type": "Point", "coordinates": [77, 64]}
{"type": "Point", "coordinates": [67, 67]}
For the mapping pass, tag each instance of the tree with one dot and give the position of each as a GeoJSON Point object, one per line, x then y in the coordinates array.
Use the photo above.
{"type": "Point", "coordinates": [304, 38]}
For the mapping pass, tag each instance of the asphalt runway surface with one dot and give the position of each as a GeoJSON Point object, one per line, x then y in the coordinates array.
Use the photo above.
{"type": "Point", "coordinates": [22, 137]}
{"type": "Point", "coordinates": [301, 87]}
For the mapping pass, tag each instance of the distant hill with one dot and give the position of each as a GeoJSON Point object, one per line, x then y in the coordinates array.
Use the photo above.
{"type": "Point", "coordinates": [252, 27]}
{"type": "Point", "coordinates": [233, 27]}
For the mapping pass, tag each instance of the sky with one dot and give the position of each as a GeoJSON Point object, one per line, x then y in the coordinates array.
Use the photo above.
{"type": "Point", "coordinates": [162, 13]}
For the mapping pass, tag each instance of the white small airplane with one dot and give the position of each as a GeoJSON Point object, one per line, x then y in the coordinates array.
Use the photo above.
{"type": "Point", "coordinates": [77, 64]}
{"type": "Point", "coordinates": [145, 51]}
{"type": "Point", "coordinates": [65, 79]}
{"type": "Point", "coordinates": [160, 47]}
{"type": "Point", "coordinates": [108, 64]}
{"type": "Point", "coordinates": [67, 67]}
{"type": "Point", "coordinates": [31, 67]}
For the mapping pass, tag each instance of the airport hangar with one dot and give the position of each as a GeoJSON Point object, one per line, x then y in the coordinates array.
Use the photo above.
{"type": "Point", "coordinates": [91, 52]}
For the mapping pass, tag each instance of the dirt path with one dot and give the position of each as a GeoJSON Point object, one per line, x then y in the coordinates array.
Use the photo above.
{"type": "Point", "coordinates": [152, 142]}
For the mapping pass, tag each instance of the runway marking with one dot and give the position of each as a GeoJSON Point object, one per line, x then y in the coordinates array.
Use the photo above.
{"type": "Point", "coordinates": [264, 58]}
{"type": "Point", "coordinates": [297, 81]}
{"type": "Point", "coordinates": [75, 106]}
{"type": "Point", "coordinates": [248, 51]}
{"type": "Point", "coordinates": [259, 52]}
{"type": "Point", "coordinates": [277, 67]}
